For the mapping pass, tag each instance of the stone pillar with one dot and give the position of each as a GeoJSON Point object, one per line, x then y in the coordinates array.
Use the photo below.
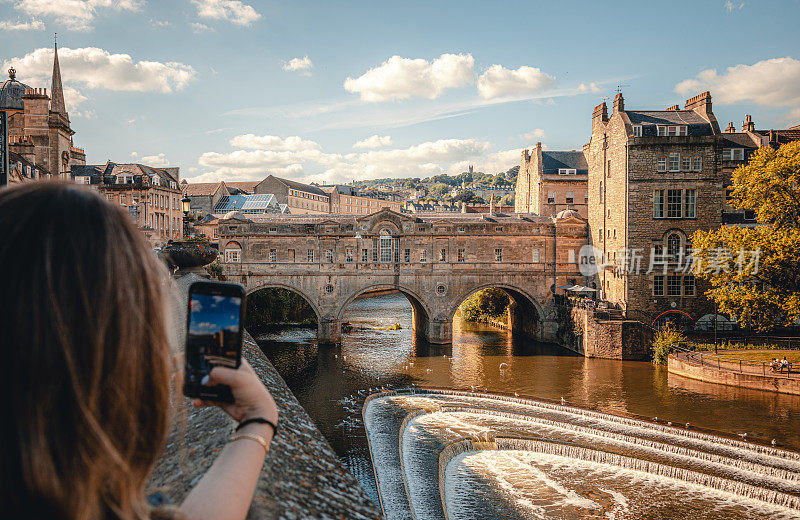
{"type": "Point", "coordinates": [440, 331]}
{"type": "Point", "coordinates": [329, 331]}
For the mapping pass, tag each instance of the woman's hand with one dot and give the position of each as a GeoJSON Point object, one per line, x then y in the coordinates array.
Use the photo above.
{"type": "Point", "coordinates": [250, 397]}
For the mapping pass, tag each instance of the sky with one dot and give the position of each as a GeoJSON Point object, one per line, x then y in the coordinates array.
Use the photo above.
{"type": "Point", "coordinates": [337, 91]}
{"type": "Point", "coordinates": [212, 313]}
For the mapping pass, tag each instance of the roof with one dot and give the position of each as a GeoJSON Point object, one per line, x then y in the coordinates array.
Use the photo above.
{"type": "Point", "coordinates": [573, 159]}
{"type": "Point", "coordinates": [245, 203]}
{"type": "Point", "coordinates": [299, 186]}
{"type": "Point", "coordinates": [665, 117]}
{"type": "Point", "coordinates": [199, 189]}
{"type": "Point", "coordinates": [17, 158]}
{"type": "Point", "coordinates": [428, 218]}
{"type": "Point", "coordinates": [246, 186]}
{"type": "Point", "coordinates": [116, 169]}
{"type": "Point", "coordinates": [781, 136]}
{"type": "Point", "coordinates": [738, 139]}
{"type": "Point", "coordinates": [11, 92]}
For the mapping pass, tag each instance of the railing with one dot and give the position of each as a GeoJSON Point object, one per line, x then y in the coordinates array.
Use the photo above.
{"type": "Point", "coordinates": [743, 366]}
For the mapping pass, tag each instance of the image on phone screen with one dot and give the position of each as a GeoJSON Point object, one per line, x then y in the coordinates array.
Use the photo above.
{"type": "Point", "coordinates": [214, 337]}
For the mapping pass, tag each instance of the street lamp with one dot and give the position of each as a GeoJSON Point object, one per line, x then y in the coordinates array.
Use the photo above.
{"type": "Point", "coordinates": [185, 206]}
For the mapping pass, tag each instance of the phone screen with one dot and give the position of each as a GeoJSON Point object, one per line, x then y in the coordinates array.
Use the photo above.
{"type": "Point", "coordinates": [214, 337]}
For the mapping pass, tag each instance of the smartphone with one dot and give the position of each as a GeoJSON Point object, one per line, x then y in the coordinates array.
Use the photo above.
{"type": "Point", "coordinates": [213, 336]}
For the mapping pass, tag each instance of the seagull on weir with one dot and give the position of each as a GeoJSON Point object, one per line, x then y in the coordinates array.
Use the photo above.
{"type": "Point", "coordinates": [563, 401]}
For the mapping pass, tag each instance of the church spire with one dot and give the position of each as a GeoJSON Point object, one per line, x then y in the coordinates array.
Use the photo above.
{"type": "Point", "coordinates": [56, 90]}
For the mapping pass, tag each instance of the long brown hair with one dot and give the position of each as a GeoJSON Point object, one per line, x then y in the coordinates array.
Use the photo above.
{"type": "Point", "coordinates": [85, 366]}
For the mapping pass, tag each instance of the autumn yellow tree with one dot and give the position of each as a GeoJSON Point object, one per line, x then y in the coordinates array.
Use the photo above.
{"type": "Point", "coordinates": [755, 271]}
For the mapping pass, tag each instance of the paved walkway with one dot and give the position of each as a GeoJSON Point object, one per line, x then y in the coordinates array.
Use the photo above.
{"type": "Point", "coordinates": [731, 364]}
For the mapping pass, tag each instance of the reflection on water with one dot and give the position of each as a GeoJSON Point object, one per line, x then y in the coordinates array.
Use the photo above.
{"type": "Point", "coordinates": [332, 382]}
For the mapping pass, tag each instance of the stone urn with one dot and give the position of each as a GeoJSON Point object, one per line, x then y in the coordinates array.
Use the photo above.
{"type": "Point", "coordinates": [188, 257]}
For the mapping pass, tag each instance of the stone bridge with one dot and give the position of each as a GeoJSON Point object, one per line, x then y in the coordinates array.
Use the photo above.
{"type": "Point", "coordinates": [435, 260]}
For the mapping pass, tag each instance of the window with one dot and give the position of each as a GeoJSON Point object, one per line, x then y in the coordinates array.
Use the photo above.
{"type": "Point", "coordinates": [688, 285]}
{"type": "Point", "coordinates": [407, 256]}
{"type": "Point", "coordinates": [673, 246]}
{"type": "Point", "coordinates": [348, 255]}
{"type": "Point", "coordinates": [602, 193]}
{"type": "Point", "coordinates": [498, 255]}
{"type": "Point", "coordinates": [386, 248]}
{"type": "Point", "coordinates": [662, 164]}
{"type": "Point", "coordinates": [535, 256]}
{"type": "Point", "coordinates": [662, 130]}
{"type": "Point", "coordinates": [461, 255]}
{"type": "Point", "coordinates": [443, 255]}
{"type": "Point", "coordinates": [674, 203]}
{"type": "Point", "coordinates": [658, 285]}
{"type": "Point", "coordinates": [329, 256]}
{"type": "Point", "coordinates": [690, 203]}
{"type": "Point", "coordinates": [273, 255]}
{"type": "Point", "coordinates": [658, 204]}
{"type": "Point", "coordinates": [673, 285]}
{"type": "Point", "coordinates": [310, 256]}
{"type": "Point", "coordinates": [365, 255]}
{"type": "Point", "coordinates": [423, 256]}
{"type": "Point", "coordinates": [697, 163]}
{"type": "Point", "coordinates": [637, 130]}
{"type": "Point", "coordinates": [567, 171]}
{"type": "Point", "coordinates": [600, 234]}
{"type": "Point", "coordinates": [291, 255]}
{"type": "Point", "coordinates": [233, 254]}
{"type": "Point", "coordinates": [672, 130]}
{"type": "Point", "coordinates": [674, 162]}
{"type": "Point", "coordinates": [570, 197]}
{"type": "Point", "coordinates": [686, 165]}
{"type": "Point", "coordinates": [273, 230]}
{"type": "Point", "coordinates": [461, 229]}
{"type": "Point", "coordinates": [733, 154]}
{"type": "Point", "coordinates": [551, 197]}
{"type": "Point", "coordinates": [375, 249]}
{"type": "Point", "coordinates": [608, 169]}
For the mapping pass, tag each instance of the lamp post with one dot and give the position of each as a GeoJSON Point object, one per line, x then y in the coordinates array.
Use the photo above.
{"type": "Point", "coordinates": [185, 206]}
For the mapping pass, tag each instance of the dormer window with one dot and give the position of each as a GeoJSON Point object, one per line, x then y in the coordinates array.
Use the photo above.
{"type": "Point", "coordinates": [637, 130]}
{"type": "Point", "coordinates": [672, 130]}
{"type": "Point", "coordinates": [567, 171]}
{"type": "Point", "coordinates": [733, 154]}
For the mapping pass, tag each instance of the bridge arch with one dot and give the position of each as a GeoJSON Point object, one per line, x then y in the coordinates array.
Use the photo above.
{"type": "Point", "coordinates": [524, 311]}
{"type": "Point", "coordinates": [277, 285]}
{"type": "Point", "coordinates": [420, 310]}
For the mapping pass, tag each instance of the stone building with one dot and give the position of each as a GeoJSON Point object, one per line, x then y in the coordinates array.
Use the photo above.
{"type": "Point", "coordinates": [655, 177]}
{"type": "Point", "coordinates": [551, 181]}
{"type": "Point", "coordinates": [347, 200]}
{"type": "Point", "coordinates": [203, 196]}
{"type": "Point", "coordinates": [39, 128]}
{"type": "Point", "coordinates": [298, 197]}
{"type": "Point", "coordinates": [152, 196]}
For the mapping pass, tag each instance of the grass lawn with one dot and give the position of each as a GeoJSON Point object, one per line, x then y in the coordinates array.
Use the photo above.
{"type": "Point", "coordinates": [762, 355]}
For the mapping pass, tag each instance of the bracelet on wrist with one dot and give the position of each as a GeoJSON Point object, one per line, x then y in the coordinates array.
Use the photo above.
{"type": "Point", "coordinates": [259, 420]}
{"type": "Point", "coordinates": [264, 444]}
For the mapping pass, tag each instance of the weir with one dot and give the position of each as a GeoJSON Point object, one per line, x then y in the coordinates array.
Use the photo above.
{"type": "Point", "coordinates": [520, 458]}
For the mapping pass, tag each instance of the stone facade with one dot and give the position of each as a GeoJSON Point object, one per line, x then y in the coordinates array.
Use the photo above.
{"type": "Point", "coordinates": [654, 179]}
{"type": "Point", "coordinates": [436, 261]}
{"type": "Point", "coordinates": [551, 181]}
{"type": "Point", "coordinates": [300, 198]}
{"type": "Point", "coordinates": [39, 126]}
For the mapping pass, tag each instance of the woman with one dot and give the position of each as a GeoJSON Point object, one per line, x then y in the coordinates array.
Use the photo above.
{"type": "Point", "coordinates": [88, 365]}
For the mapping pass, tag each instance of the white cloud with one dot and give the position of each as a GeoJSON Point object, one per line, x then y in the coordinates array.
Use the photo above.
{"type": "Point", "coordinates": [161, 24]}
{"type": "Point", "coordinates": [76, 15]}
{"type": "Point", "coordinates": [302, 65]}
{"type": "Point", "coordinates": [538, 133]}
{"type": "Point", "coordinates": [733, 6]}
{"type": "Point", "coordinates": [233, 11]}
{"type": "Point", "coordinates": [403, 78]}
{"type": "Point", "coordinates": [495, 162]}
{"type": "Point", "coordinates": [499, 81]}
{"type": "Point", "coordinates": [157, 161]}
{"type": "Point", "coordinates": [272, 142]}
{"type": "Point", "coordinates": [424, 159]}
{"type": "Point", "coordinates": [96, 68]}
{"type": "Point", "coordinates": [32, 25]}
{"type": "Point", "coordinates": [773, 82]}
{"type": "Point", "coordinates": [591, 87]}
{"type": "Point", "coordinates": [375, 141]}
{"type": "Point", "coordinates": [199, 28]}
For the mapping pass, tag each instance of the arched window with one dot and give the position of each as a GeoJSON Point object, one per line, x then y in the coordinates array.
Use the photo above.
{"type": "Point", "coordinates": [233, 252]}
{"type": "Point", "coordinates": [673, 245]}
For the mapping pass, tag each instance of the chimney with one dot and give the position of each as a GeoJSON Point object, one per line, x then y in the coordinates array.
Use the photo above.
{"type": "Point", "coordinates": [619, 103]}
{"type": "Point", "coordinates": [748, 125]}
{"type": "Point", "coordinates": [491, 204]}
{"type": "Point", "coordinates": [700, 102]}
{"type": "Point", "coordinates": [599, 114]}
{"type": "Point", "coordinates": [673, 108]}
{"type": "Point", "coordinates": [730, 128]}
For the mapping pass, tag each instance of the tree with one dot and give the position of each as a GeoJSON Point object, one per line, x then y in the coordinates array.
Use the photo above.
{"type": "Point", "coordinates": [507, 200]}
{"type": "Point", "coordinates": [488, 303]}
{"type": "Point", "coordinates": [754, 271]}
{"type": "Point", "coordinates": [466, 196]}
{"type": "Point", "coordinates": [439, 189]}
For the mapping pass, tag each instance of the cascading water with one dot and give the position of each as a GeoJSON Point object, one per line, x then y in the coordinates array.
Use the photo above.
{"type": "Point", "coordinates": [461, 455]}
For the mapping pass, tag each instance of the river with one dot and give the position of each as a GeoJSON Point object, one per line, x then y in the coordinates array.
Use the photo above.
{"type": "Point", "coordinates": [331, 383]}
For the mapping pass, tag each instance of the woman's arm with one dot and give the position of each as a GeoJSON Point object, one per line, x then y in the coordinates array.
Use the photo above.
{"type": "Point", "coordinates": [226, 490]}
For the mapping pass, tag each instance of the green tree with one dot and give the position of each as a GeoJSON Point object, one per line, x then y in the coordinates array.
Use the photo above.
{"type": "Point", "coordinates": [754, 271]}
{"type": "Point", "coordinates": [439, 189]}
{"type": "Point", "coordinates": [507, 200]}
{"type": "Point", "coordinates": [665, 338]}
{"type": "Point", "coordinates": [488, 303]}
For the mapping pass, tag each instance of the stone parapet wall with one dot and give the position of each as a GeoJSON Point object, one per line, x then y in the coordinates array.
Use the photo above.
{"type": "Point", "coordinates": [607, 339]}
{"type": "Point", "coordinates": [712, 374]}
